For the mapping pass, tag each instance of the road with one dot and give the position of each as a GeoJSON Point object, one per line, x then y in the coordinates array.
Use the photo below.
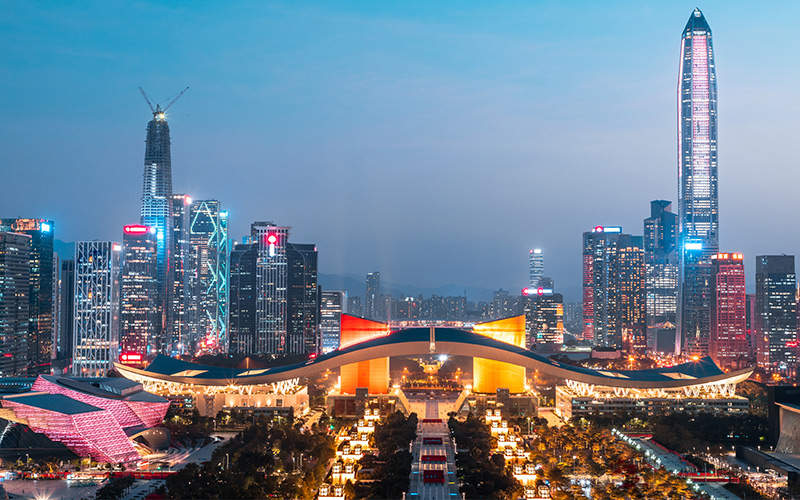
{"type": "Point", "coordinates": [433, 491]}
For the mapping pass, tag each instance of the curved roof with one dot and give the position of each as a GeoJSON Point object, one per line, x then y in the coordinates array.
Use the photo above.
{"type": "Point", "coordinates": [450, 341]}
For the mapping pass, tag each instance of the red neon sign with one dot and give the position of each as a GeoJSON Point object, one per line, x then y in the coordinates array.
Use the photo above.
{"type": "Point", "coordinates": [136, 229]}
{"type": "Point", "coordinates": [272, 239]}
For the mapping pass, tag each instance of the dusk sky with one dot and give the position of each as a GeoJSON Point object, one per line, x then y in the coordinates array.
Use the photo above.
{"type": "Point", "coordinates": [435, 142]}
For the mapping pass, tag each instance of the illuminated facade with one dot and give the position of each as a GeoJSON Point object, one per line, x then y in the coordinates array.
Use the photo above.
{"type": "Point", "coordinates": [333, 304]}
{"type": "Point", "coordinates": [776, 314]}
{"type": "Point", "coordinates": [157, 204]}
{"type": "Point", "coordinates": [91, 419]}
{"type": "Point", "coordinates": [373, 373]}
{"type": "Point", "coordinates": [489, 375]}
{"type": "Point", "coordinates": [697, 182]}
{"type": "Point", "coordinates": [271, 285]}
{"type": "Point", "coordinates": [181, 316]}
{"type": "Point", "coordinates": [544, 317]}
{"type": "Point", "coordinates": [535, 267]}
{"type": "Point", "coordinates": [15, 255]}
{"type": "Point", "coordinates": [208, 233]}
{"type": "Point", "coordinates": [661, 268]}
{"type": "Point", "coordinates": [614, 289]}
{"type": "Point", "coordinates": [287, 293]}
{"type": "Point", "coordinates": [728, 342]}
{"type": "Point", "coordinates": [139, 321]}
{"type": "Point", "coordinates": [96, 317]}
{"type": "Point", "coordinates": [41, 306]}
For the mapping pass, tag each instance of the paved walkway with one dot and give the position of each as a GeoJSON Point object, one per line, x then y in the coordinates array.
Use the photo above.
{"type": "Point", "coordinates": [433, 491]}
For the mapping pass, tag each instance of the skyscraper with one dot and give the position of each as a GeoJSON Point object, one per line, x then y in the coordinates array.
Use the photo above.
{"type": "Point", "coordinates": [728, 340]}
{"type": "Point", "coordinates": [613, 288]}
{"type": "Point", "coordinates": [15, 257]}
{"type": "Point", "coordinates": [287, 293]}
{"type": "Point", "coordinates": [96, 326]}
{"type": "Point", "coordinates": [181, 317]}
{"type": "Point", "coordinates": [157, 205]}
{"type": "Point", "coordinates": [535, 267]}
{"type": "Point", "coordinates": [373, 296]}
{"type": "Point", "coordinates": [208, 233]}
{"type": "Point", "coordinates": [697, 182]}
{"type": "Point", "coordinates": [661, 264]}
{"type": "Point", "coordinates": [776, 313]}
{"type": "Point", "coordinates": [303, 299]}
{"type": "Point", "coordinates": [40, 296]}
{"type": "Point", "coordinates": [544, 318]}
{"type": "Point", "coordinates": [242, 308]}
{"type": "Point", "coordinates": [67, 322]}
{"type": "Point", "coordinates": [138, 314]}
{"type": "Point", "coordinates": [271, 285]}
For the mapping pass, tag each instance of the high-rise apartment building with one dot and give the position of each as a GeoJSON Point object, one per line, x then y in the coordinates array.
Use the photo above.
{"type": "Point", "coordinates": [613, 288]}
{"type": "Point", "coordinates": [698, 212]}
{"type": "Point", "coordinates": [96, 316]}
{"type": "Point", "coordinates": [67, 320]}
{"type": "Point", "coordinates": [373, 296]}
{"type": "Point", "coordinates": [535, 267]}
{"type": "Point", "coordinates": [243, 290]}
{"type": "Point", "coordinates": [181, 315]}
{"type": "Point", "coordinates": [728, 340]}
{"type": "Point", "coordinates": [661, 268]}
{"type": "Point", "coordinates": [15, 268]}
{"type": "Point", "coordinates": [354, 306]}
{"type": "Point", "coordinates": [208, 233]}
{"type": "Point", "coordinates": [138, 313]}
{"type": "Point", "coordinates": [157, 208]}
{"type": "Point", "coordinates": [332, 305]}
{"type": "Point", "coordinates": [40, 296]}
{"type": "Point", "coordinates": [776, 314]}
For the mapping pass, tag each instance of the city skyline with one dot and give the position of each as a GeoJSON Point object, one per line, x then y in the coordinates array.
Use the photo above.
{"type": "Point", "coordinates": [371, 241]}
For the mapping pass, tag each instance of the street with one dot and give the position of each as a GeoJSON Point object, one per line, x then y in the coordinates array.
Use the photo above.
{"type": "Point", "coordinates": [433, 490]}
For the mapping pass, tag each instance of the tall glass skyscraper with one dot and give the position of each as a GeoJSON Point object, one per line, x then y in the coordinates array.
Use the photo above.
{"type": "Point", "coordinates": [157, 204]}
{"type": "Point", "coordinates": [697, 182]}
{"type": "Point", "coordinates": [535, 267]}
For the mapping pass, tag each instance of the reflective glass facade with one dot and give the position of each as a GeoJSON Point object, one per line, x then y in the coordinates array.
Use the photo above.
{"type": "Point", "coordinates": [697, 182]}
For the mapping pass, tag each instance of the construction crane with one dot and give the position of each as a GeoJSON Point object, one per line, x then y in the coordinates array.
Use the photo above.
{"type": "Point", "coordinates": [158, 113]}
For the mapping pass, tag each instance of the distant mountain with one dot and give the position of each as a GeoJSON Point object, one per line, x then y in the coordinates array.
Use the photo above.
{"type": "Point", "coordinates": [65, 250]}
{"type": "Point", "coordinates": [356, 285]}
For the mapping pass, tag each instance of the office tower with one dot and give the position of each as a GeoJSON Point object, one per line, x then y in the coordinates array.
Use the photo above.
{"type": "Point", "coordinates": [302, 299]}
{"type": "Point", "coordinates": [354, 307]}
{"type": "Point", "coordinates": [631, 286]}
{"type": "Point", "coordinates": [535, 268]}
{"type": "Point", "coordinates": [96, 316]}
{"type": "Point", "coordinates": [750, 323]}
{"type": "Point", "coordinates": [208, 233]}
{"type": "Point", "coordinates": [40, 295]}
{"type": "Point", "coordinates": [373, 295]}
{"type": "Point", "coordinates": [544, 318]}
{"type": "Point", "coordinates": [333, 304]}
{"type": "Point", "coordinates": [242, 307]}
{"type": "Point", "coordinates": [697, 182]}
{"type": "Point", "coordinates": [728, 340]}
{"type": "Point", "coordinates": [138, 312]}
{"type": "Point", "coordinates": [661, 268]}
{"type": "Point", "coordinates": [65, 334]}
{"type": "Point", "coordinates": [613, 288]}
{"type": "Point", "coordinates": [157, 207]}
{"type": "Point", "coordinates": [181, 320]}
{"type": "Point", "coordinates": [15, 277]}
{"type": "Point", "coordinates": [271, 285]}
{"type": "Point", "coordinates": [776, 313]}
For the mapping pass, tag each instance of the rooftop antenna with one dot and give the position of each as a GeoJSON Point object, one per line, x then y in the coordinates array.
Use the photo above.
{"type": "Point", "coordinates": [158, 113]}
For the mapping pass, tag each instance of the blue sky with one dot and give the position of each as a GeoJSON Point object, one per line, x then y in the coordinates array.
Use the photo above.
{"type": "Point", "coordinates": [434, 141]}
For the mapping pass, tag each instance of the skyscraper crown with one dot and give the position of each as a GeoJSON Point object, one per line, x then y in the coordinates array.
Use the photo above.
{"type": "Point", "coordinates": [697, 22]}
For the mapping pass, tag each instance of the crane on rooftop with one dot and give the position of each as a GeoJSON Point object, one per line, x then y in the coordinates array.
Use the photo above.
{"type": "Point", "coordinates": [158, 113]}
